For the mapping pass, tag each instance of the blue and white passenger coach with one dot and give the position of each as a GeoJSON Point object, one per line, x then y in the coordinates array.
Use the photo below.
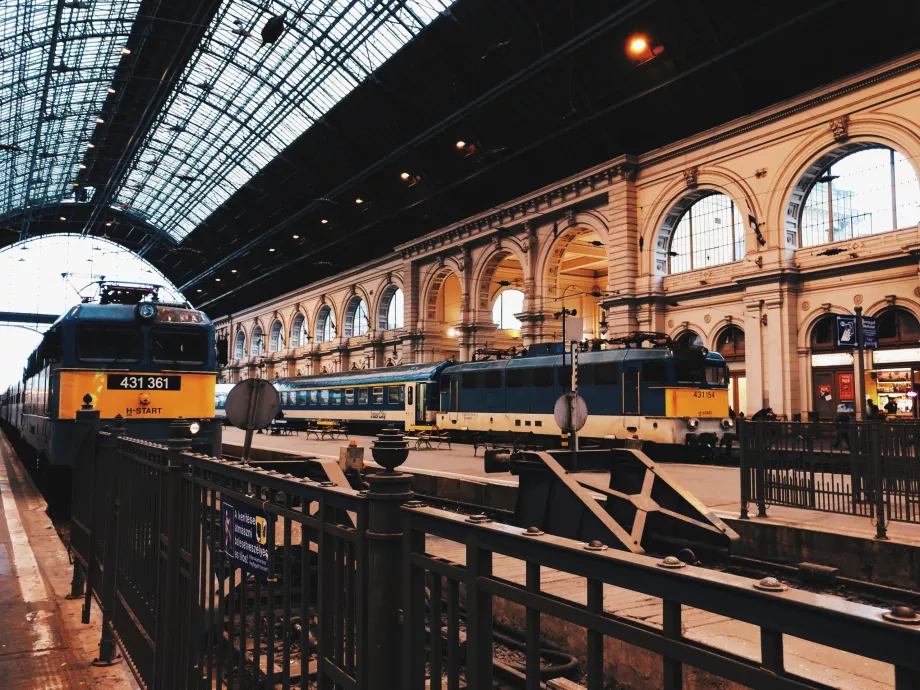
{"type": "Point", "coordinates": [404, 396]}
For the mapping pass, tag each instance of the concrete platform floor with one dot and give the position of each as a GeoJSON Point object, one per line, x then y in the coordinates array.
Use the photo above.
{"type": "Point", "coordinates": [43, 644]}
{"type": "Point", "coordinates": [717, 487]}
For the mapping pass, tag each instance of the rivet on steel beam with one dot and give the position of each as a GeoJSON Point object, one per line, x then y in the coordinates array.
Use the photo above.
{"type": "Point", "coordinates": [904, 615]}
{"type": "Point", "coordinates": [671, 562]}
{"type": "Point", "coordinates": [596, 546]}
{"type": "Point", "coordinates": [328, 484]}
{"type": "Point", "coordinates": [414, 503]}
{"type": "Point", "coordinates": [478, 519]}
{"type": "Point", "coordinates": [532, 532]}
{"type": "Point", "coordinates": [770, 584]}
{"type": "Point", "coordinates": [288, 476]}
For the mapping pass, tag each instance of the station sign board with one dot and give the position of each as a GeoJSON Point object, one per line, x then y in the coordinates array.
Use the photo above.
{"type": "Point", "coordinates": [845, 332]}
{"type": "Point", "coordinates": [245, 531]}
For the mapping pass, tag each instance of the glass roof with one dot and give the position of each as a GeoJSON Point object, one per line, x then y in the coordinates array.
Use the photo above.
{"type": "Point", "coordinates": [240, 103]}
{"type": "Point", "coordinates": [53, 79]}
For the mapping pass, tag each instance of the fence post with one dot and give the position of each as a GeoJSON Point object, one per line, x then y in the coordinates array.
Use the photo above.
{"type": "Point", "coordinates": [744, 462]}
{"type": "Point", "coordinates": [760, 472]}
{"type": "Point", "coordinates": [167, 669]}
{"type": "Point", "coordinates": [108, 651]}
{"type": "Point", "coordinates": [388, 490]}
{"type": "Point", "coordinates": [878, 479]}
{"type": "Point", "coordinates": [86, 421]}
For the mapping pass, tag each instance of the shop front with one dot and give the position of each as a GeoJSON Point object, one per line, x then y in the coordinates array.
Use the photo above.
{"type": "Point", "coordinates": [894, 381]}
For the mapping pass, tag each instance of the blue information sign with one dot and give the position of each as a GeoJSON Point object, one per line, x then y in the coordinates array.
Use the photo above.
{"type": "Point", "coordinates": [870, 333]}
{"type": "Point", "coordinates": [245, 531]}
{"type": "Point", "coordinates": [845, 335]}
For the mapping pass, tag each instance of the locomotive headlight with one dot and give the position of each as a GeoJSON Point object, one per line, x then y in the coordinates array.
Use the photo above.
{"type": "Point", "coordinates": [146, 311]}
{"type": "Point", "coordinates": [693, 423]}
{"type": "Point", "coordinates": [728, 423]}
{"type": "Point", "coordinates": [194, 427]}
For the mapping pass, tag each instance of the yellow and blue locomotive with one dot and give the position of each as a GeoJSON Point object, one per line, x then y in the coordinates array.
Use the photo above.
{"type": "Point", "coordinates": [128, 356]}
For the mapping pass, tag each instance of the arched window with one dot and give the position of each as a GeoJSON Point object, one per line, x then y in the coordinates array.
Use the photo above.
{"type": "Point", "coordinates": [395, 310]}
{"type": "Point", "coordinates": [356, 317]}
{"type": "Point", "coordinates": [898, 328]}
{"type": "Point", "coordinates": [299, 332]}
{"type": "Point", "coordinates": [822, 333]}
{"type": "Point", "coordinates": [258, 342]}
{"type": "Point", "coordinates": [325, 325]}
{"type": "Point", "coordinates": [276, 337]}
{"type": "Point", "coordinates": [730, 344]}
{"type": "Point", "coordinates": [689, 339]}
{"type": "Point", "coordinates": [710, 232]}
{"type": "Point", "coordinates": [239, 346]}
{"type": "Point", "coordinates": [867, 192]}
{"type": "Point", "coordinates": [509, 303]}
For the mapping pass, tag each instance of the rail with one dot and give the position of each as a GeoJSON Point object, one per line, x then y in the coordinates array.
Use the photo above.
{"type": "Point", "coordinates": [869, 468]}
{"type": "Point", "coordinates": [343, 590]}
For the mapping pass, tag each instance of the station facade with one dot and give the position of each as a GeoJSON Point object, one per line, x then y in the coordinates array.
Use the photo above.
{"type": "Point", "coordinates": [747, 238]}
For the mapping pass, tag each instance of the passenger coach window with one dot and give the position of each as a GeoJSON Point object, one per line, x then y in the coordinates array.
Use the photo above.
{"type": "Point", "coordinates": [178, 345]}
{"type": "Point", "coordinates": [394, 394]}
{"type": "Point", "coordinates": [336, 395]}
{"type": "Point", "coordinates": [689, 372]}
{"type": "Point", "coordinates": [715, 374]}
{"type": "Point", "coordinates": [378, 395]}
{"type": "Point", "coordinates": [543, 376]}
{"type": "Point", "coordinates": [655, 372]}
{"type": "Point", "coordinates": [109, 344]}
{"type": "Point", "coordinates": [362, 396]}
{"type": "Point", "coordinates": [324, 396]}
{"type": "Point", "coordinates": [349, 396]}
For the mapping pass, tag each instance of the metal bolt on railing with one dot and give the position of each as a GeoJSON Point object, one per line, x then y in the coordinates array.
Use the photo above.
{"type": "Point", "coordinates": [770, 584]}
{"type": "Point", "coordinates": [595, 546]}
{"type": "Point", "coordinates": [671, 562]}
{"type": "Point", "coordinates": [906, 615]}
{"type": "Point", "coordinates": [479, 519]}
{"type": "Point", "coordinates": [532, 532]}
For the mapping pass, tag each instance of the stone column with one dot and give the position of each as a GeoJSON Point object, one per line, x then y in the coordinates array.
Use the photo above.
{"type": "Point", "coordinates": [754, 358]}
{"type": "Point", "coordinates": [622, 214]}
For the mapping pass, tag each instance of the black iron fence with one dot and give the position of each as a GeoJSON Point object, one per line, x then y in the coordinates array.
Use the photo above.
{"type": "Point", "coordinates": [349, 590]}
{"type": "Point", "coordinates": [869, 468]}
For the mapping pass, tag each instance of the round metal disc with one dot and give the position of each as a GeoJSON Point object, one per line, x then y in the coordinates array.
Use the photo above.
{"type": "Point", "coordinates": [570, 417]}
{"type": "Point", "coordinates": [258, 394]}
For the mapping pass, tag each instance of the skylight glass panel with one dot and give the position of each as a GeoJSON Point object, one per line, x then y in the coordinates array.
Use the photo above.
{"type": "Point", "coordinates": [240, 103]}
{"type": "Point", "coordinates": [50, 114]}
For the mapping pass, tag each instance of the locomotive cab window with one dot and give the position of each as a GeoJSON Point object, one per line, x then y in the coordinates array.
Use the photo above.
{"type": "Point", "coordinates": [178, 346]}
{"type": "Point", "coordinates": [655, 372]}
{"type": "Point", "coordinates": [715, 374]}
{"type": "Point", "coordinates": [98, 343]}
{"type": "Point", "coordinates": [688, 371]}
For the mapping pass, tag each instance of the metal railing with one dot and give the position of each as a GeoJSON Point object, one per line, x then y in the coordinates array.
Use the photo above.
{"type": "Point", "coordinates": [869, 468]}
{"type": "Point", "coordinates": [350, 598]}
{"type": "Point", "coordinates": [818, 618]}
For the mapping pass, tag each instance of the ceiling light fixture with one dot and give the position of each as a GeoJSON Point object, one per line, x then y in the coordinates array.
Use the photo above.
{"type": "Point", "coordinates": [199, 289]}
{"type": "Point", "coordinates": [359, 200]}
{"type": "Point", "coordinates": [125, 51]}
{"type": "Point", "coordinates": [76, 184]}
{"type": "Point", "coordinates": [461, 144]}
{"type": "Point", "coordinates": [271, 249]}
{"type": "Point", "coordinates": [82, 166]}
{"type": "Point", "coordinates": [296, 237]}
{"type": "Point", "coordinates": [404, 176]}
{"type": "Point", "coordinates": [233, 270]}
{"type": "Point", "coordinates": [63, 218]}
{"type": "Point", "coordinates": [90, 145]}
{"type": "Point", "coordinates": [110, 90]}
{"type": "Point", "coordinates": [109, 224]}
{"type": "Point", "coordinates": [638, 44]}
{"type": "Point", "coordinates": [217, 280]}
{"type": "Point", "coordinates": [100, 121]}
{"type": "Point", "coordinates": [324, 221]}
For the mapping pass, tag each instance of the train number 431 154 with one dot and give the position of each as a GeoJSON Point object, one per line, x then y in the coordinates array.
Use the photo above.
{"type": "Point", "coordinates": [704, 394]}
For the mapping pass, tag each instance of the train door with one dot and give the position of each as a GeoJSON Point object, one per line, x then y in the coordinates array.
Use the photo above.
{"type": "Point", "coordinates": [421, 403]}
{"type": "Point", "coordinates": [454, 398]}
{"type": "Point", "coordinates": [631, 389]}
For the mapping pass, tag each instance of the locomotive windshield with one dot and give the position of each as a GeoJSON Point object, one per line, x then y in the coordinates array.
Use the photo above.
{"type": "Point", "coordinates": [715, 374]}
{"type": "Point", "coordinates": [179, 345]}
{"type": "Point", "coordinates": [106, 343]}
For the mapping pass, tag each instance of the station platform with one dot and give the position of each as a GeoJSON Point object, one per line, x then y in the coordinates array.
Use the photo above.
{"type": "Point", "coordinates": [719, 488]}
{"type": "Point", "coordinates": [43, 644]}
